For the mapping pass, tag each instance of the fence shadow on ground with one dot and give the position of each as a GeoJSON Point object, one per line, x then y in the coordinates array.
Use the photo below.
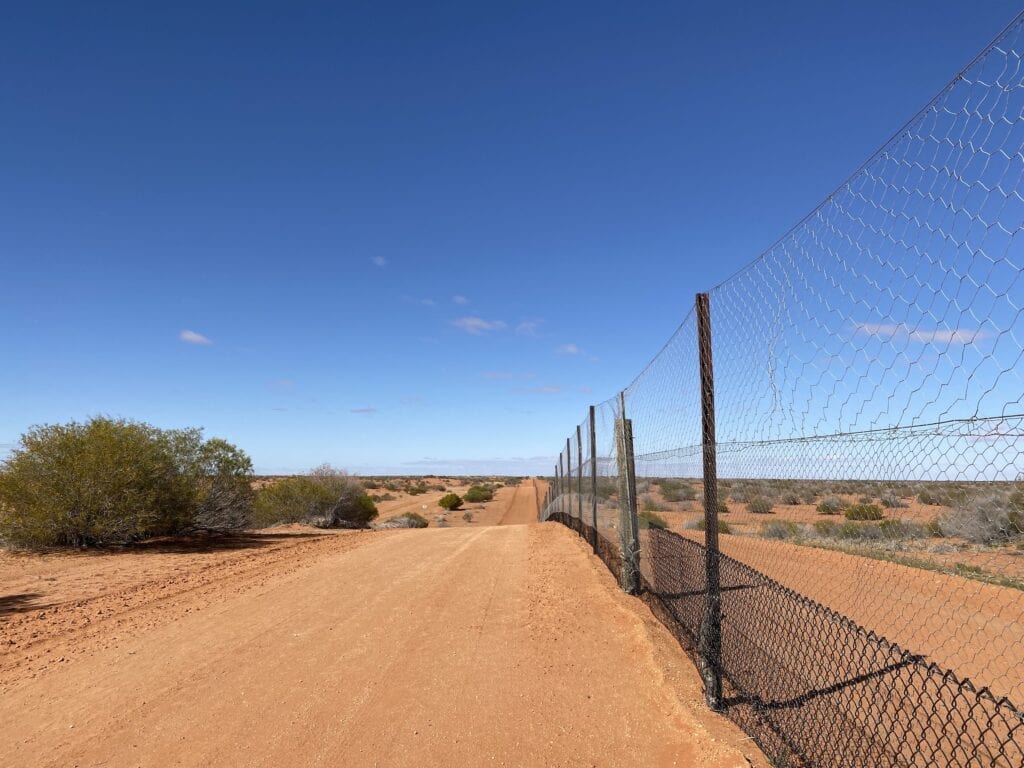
{"type": "Point", "coordinates": [812, 686]}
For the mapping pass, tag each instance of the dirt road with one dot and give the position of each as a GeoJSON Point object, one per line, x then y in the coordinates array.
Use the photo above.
{"type": "Point", "coordinates": [467, 646]}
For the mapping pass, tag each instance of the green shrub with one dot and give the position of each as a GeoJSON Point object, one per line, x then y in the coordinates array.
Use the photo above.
{"type": "Point", "coordinates": [647, 519]}
{"type": "Point", "coordinates": [826, 528]}
{"type": "Point", "coordinates": [791, 498]}
{"type": "Point", "coordinates": [858, 532]}
{"type": "Point", "coordinates": [326, 497]}
{"type": "Point", "coordinates": [479, 493]}
{"type": "Point", "coordinates": [759, 505]}
{"type": "Point", "coordinates": [650, 504]}
{"type": "Point", "coordinates": [934, 528]}
{"type": "Point", "coordinates": [898, 529]}
{"type": "Point", "coordinates": [891, 500]}
{"type": "Point", "coordinates": [676, 490]}
{"type": "Point", "coordinates": [112, 482]}
{"type": "Point", "coordinates": [416, 520]}
{"type": "Point", "coordinates": [864, 512]}
{"type": "Point", "coordinates": [781, 529]}
{"type": "Point", "coordinates": [831, 505]}
{"type": "Point", "coordinates": [467, 516]}
{"type": "Point", "coordinates": [930, 499]}
{"type": "Point", "coordinates": [450, 502]}
{"type": "Point", "coordinates": [699, 525]}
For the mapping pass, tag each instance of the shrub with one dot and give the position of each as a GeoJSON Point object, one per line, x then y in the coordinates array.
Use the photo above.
{"type": "Point", "coordinates": [647, 519]}
{"type": "Point", "coordinates": [781, 529]}
{"type": "Point", "coordinates": [934, 528]}
{"type": "Point", "coordinates": [791, 498]}
{"type": "Point", "coordinates": [408, 520]}
{"type": "Point", "coordinates": [858, 532]}
{"type": "Point", "coordinates": [676, 490]}
{"type": "Point", "coordinates": [467, 516]}
{"type": "Point", "coordinates": [929, 499]}
{"type": "Point", "coordinates": [759, 506]}
{"type": "Point", "coordinates": [898, 529]}
{"type": "Point", "coordinates": [988, 520]}
{"type": "Point", "coordinates": [831, 505]}
{"type": "Point", "coordinates": [723, 508]}
{"type": "Point", "coordinates": [700, 525]}
{"type": "Point", "coordinates": [650, 504]}
{"type": "Point", "coordinates": [326, 497]}
{"type": "Point", "coordinates": [826, 528]}
{"type": "Point", "coordinates": [479, 493]}
{"type": "Point", "coordinates": [891, 500]}
{"type": "Point", "coordinates": [450, 502]}
{"type": "Point", "coordinates": [864, 512]}
{"type": "Point", "coordinates": [113, 481]}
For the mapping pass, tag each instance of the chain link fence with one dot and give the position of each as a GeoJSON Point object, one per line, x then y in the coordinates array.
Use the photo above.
{"type": "Point", "coordinates": [818, 483]}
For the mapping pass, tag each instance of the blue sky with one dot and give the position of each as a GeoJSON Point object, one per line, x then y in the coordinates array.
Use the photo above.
{"type": "Point", "coordinates": [399, 237]}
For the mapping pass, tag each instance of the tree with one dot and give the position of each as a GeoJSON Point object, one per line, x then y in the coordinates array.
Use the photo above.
{"type": "Point", "coordinates": [450, 502]}
{"type": "Point", "coordinates": [327, 497]}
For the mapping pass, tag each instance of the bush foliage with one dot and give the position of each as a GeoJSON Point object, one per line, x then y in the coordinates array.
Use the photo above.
{"type": "Point", "coordinates": [864, 512]}
{"type": "Point", "coordinates": [479, 493]}
{"type": "Point", "coordinates": [113, 481]}
{"type": "Point", "coordinates": [450, 502]}
{"type": "Point", "coordinates": [326, 497]}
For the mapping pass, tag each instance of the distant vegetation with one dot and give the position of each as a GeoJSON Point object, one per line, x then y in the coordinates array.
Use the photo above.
{"type": "Point", "coordinates": [326, 497]}
{"type": "Point", "coordinates": [479, 493]}
{"type": "Point", "coordinates": [450, 502]}
{"type": "Point", "coordinates": [112, 481]}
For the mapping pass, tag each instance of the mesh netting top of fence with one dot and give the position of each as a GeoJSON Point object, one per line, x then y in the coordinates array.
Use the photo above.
{"type": "Point", "coordinates": [868, 401]}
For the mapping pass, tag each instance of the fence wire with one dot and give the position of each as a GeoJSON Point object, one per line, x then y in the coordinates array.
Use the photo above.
{"type": "Point", "coordinates": [869, 417]}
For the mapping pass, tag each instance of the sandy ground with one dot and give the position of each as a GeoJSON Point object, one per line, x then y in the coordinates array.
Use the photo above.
{"type": "Point", "coordinates": [475, 645]}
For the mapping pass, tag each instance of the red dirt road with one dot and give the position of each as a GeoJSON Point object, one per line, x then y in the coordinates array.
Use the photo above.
{"type": "Point", "coordinates": [463, 646]}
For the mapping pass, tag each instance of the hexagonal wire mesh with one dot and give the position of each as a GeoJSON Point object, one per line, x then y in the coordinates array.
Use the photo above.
{"type": "Point", "coordinates": [869, 405]}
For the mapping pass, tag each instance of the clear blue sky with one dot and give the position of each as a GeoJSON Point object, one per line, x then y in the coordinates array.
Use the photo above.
{"type": "Point", "coordinates": [408, 237]}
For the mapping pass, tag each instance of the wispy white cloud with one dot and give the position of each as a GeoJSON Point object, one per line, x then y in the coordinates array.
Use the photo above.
{"type": "Point", "coordinates": [569, 349]}
{"type": "Point", "coordinates": [528, 327]}
{"type": "Point", "coordinates": [547, 389]}
{"type": "Point", "coordinates": [368, 411]}
{"type": "Point", "coordinates": [379, 261]}
{"type": "Point", "coordinates": [922, 335]}
{"type": "Point", "coordinates": [192, 337]}
{"type": "Point", "coordinates": [460, 299]}
{"type": "Point", "coordinates": [477, 325]}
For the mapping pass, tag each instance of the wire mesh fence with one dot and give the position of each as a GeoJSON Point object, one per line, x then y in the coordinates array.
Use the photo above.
{"type": "Point", "coordinates": [843, 552]}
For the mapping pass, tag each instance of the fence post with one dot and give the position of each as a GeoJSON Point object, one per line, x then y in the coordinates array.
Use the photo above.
{"type": "Point", "coordinates": [710, 642]}
{"type": "Point", "coordinates": [629, 534]}
{"type": "Point", "coordinates": [593, 480]}
{"type": "Point", "coordinates": [579, 474]}
{"type": "Point", "coordinates": [568, 477]}
{"type": "Point", "coordinates": [559, 489]}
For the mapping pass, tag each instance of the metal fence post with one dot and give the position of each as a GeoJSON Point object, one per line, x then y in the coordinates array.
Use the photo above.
{"type": "Point", "coordinates": [558, 487]}
{"type": "Point", "coordinates": [568, 477]}
{"type": "Point", "coordinates": [629, 534]}
{"type": "Point", "coordinates": [710, 642]}
{"type": "Point", "coordinates": [580, 473]}
{"type": "Point", "coordinates": [593, 479]}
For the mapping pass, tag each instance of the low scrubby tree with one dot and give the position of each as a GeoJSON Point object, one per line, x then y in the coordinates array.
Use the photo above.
{"type": "Point", "coordinates": [450, 502]}
{"type": "Point", "coordinates": [325, 497]}
{"type": "Point", "coordinates": [113, 481]}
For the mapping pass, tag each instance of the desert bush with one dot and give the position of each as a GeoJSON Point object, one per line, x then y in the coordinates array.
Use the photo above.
{"type": "Point", "coordinates": [379, 497]}
{"type": "Point", "coordinates": [648, 519]}
{"type": "Point", "coordinates": [826, 528]}
{"type": "Point", "coordinates": [899, 529]}
{"type": "Point", "coordinates": [479, 493]}
{"type": "Point", "coordinates": [866, 499]}
{"type": "Point", "coordinates": [934, 528]}
{"type": "Point", "coordinates": [863, 512]}
{"type": "Point", "coordinates": [987, 520]}
{"type": "Point", "coordinates": [467, 516]}
{"type": "Point", "coordinates": [930, 499]}
{"type": "Point", "coordinates": [676, 490]}
{"type": "Point", "coordinates": [408, 520]}
{"type": "Point", "coordinates": [325, 497]}
{"type": "Point", "coordinates": [650, 504]}
{"type": "Point", "coordinates": [858, 532]}
{"type": "Point", "coordinates": [781, 529]}
{"type": "Point", "coordinates": [700, 525]}
{"type": "Point", "coordinates": [371, 484]}
{"type": "Point", "coordinates": [450, 502]}
{"type": "Point", "coordinates": [759, 505]}
{"type": "Point", "coordinates": [791, 498]}
{"type": "Point", "coordinates": [891, 500]}
{"type": "Point", "coordinates": [113, 481]}
{"type": "Point", "coordinates": [831, 505]}
{"type": "Point", "coordinates": [416, 489]}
